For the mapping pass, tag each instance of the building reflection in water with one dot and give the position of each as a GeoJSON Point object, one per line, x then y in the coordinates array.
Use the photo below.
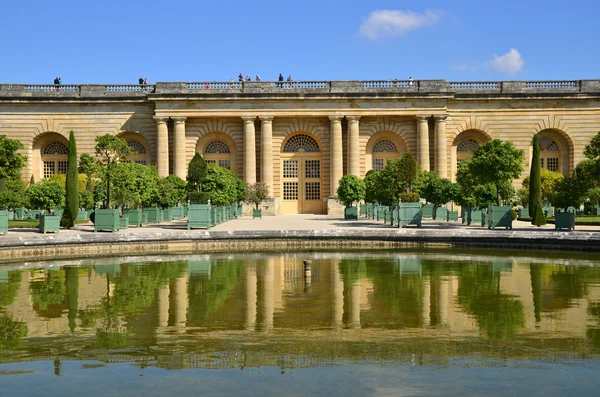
{"type": "Point", "coordinates": [227, 312]}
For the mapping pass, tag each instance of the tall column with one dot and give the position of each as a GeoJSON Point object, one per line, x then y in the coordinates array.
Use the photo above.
{"type": "Point", "coordinates": [163, 306]}
{"type": "Point", "coordinates": [251, 296]}
{"type": "Point", "coordinates": [355, 297]}
{"type": "Point", "coordinates": [182, 300]}
{"type": "Point", "coordinates": [426, 309]}
{"type": "Point", "coordinates": [268, 306]}
{"type": "Point", "coordinates": [353, 145]}
{"type": "Point", "coordinates": [337, 292]}
{"type": "Point", "coordinates": [337, 158]}
{"type": "Point", "coordinates": [179, 155]}
{"type": "Point", "coordinates": [249, 150]}
{"type": "Point", "coordinates": [441, 157]}
{"type": "Point", "coordinates": [443, 301]}
{"type": "Point", "coordinates": [423, 142]}
{"type": "Point", "coordinates": [266, 156]}
{"type": "Point", "coordinates": [162, 146]}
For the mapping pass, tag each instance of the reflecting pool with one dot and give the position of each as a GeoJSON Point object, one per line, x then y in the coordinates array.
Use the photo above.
{"type": "Point", "coordinates": [395, 323]}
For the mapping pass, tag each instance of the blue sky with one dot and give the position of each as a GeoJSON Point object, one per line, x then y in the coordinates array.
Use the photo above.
{"type": "Point", "coordinates": [182, 40]}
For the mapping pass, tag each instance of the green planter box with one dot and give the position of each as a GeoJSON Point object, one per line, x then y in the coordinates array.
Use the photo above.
{"type": "Point", "coordinates": [351, 213]}
{"type": "Point", "coordinates": [11, 216]}
{"type": "Point", "coordinates": [363, 209]}
{"type": "Point", "coordinates": [4, 222]}
{"type": "Point", "coordinates": [33, 214]}
{"type": "Point", "coordinates": [58, 213]}
{"type": "Point", "coordinates": [370, 210]}
{"type": "Point", "coordinates": [427, 211]}
{"type": "Point", "coordinates": [452, 216]}
{"type": "Point", "coordinates": [21, 213]}
{"type": "Point", "coordinates": [185, 210]}
{"type": "Point", "coordinates": [524, 212]}
{"type": "Point", "coordinates": [376, 210]}
{"type": "Point", "coordinates": [218, 215]}
{"type": "Point", "coordinates": [227, 213]}
{"type": "Point", "coordinates": [257, 213]}
{"type": "Point", "coordinates": [106, 220]}
{"type": "Point", "coordinates": [409, 214]}
{"type": "Point", "coordinates": [564, 220]}
{"type": "Point", "coordinates": [167, 214]}
{"type": "Point", "coordinates": [83, 215]}
{"type": "Point", "coordinates": [177, 212]}
{"type": "Point", "coordinates": [213, 216]}
{"type": "Point", "coordinates": [154, 215]}
{"type": "Point", "coordinates": [144, 218]}
{"type": "Point", "coordinates": [441, 213]}
{"type": "Point", "coordinates": [239, 211]}
{"type": "Point", "coordinates": [136, 217]}
{"type": "Point", "coordinates": [234, 211]}
{"type": "Point", "coordinates": [199, 216]}
{"type": "Point", "coordinates": [387, 215]}
{"type": "Point", "coordinates": [477, 217]}
{"type": "Point", "coordinates": [124, 222]}
{"type": "Point", "coordinates": [499, 217]}
{"type": "Point", "coordinates": [49, 223]}
{"type": "Point", "coordinates": [395, 215]}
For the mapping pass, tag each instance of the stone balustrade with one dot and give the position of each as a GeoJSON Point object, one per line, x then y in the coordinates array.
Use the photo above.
{"type": "Point", "coordinates": [287, 88]}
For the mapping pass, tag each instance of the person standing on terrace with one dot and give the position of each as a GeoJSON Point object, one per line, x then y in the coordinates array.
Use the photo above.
{"type": "Point", "coordinates": [257, 78]}
{"type": "Point", "coordinates": [141, 80]}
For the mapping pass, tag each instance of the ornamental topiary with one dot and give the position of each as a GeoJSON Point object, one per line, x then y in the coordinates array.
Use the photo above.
{"type": "Point", "coordinates": [350, 188]}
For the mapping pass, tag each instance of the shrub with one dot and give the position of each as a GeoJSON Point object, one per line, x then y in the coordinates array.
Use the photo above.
{"type": "Point", "coordinates": [351, 188]}
{"type": "Point", "coordinates": [409, 197]}
{"type": "Point", "coordinates": [256, 194]}
{"type": "Point", "coordinates": [46, 195]}
{"type": "Point", "coordinates": [198, 197]}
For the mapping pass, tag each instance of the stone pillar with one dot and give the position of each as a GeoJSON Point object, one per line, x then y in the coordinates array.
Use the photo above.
{"type": "Point", "coordinates": [162, 146]}
{"type": "Point", "coordinates": [441, 156]}
{"type": "Point", "coordinates": [355, 298]}
{"type": "Point", "coordinates": [249, 150]}
{"type": "Point", "coordinates": [251, 296]}
{"type": "Point", "coordinates": [179, 155]}
{"type": "Point", "coordinates": [423, 142]}
{"type": "Point", "coordinates": [443, 301]}
{"type": "Point", "coordinates": [266, 170]}
{"type": "Point", "coordinates": [337, 158]}
{"type": "Point", "coordinates": [268, 304]}
{"type": "Point", "coordinates": [163, 306]}
{"type": "Point", "coordinates": [353, 145]}
{"type": "Point", "coordinates": [337, 292]}
{"type": "Point", "coordinates": [181, 300]}
{"type": "Point", "coordinates": [426, 309]}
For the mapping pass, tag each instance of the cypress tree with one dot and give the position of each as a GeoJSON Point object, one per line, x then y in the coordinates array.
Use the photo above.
{"type": "Point", "coordinates": [535, 181]}
{"type": "Point", "coordinates": [31, 180]}
{"type": "Point", "coordinates": [72, 186]}
{"type": "Point", "coordinates": [196, 173]}
{"type": "Point", "coordinates": [538, 218]}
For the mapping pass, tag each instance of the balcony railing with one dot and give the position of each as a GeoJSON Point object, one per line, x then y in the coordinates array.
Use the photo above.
{"type": "Point", "coordinates": [286, 88]}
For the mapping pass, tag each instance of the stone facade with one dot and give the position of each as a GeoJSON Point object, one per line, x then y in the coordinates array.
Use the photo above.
{"type": "Point", "coordinates": [301, 137]}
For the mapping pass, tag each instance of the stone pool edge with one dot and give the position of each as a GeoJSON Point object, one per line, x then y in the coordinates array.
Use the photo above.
{"type": "Point", "coordinates": [57, 246]}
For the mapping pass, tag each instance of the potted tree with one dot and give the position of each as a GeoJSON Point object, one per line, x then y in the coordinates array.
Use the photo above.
{"type": "Point", "coordinates": [256, 194]}
{"type": "Point", "coordinates": [567, 194]}
{"type": "Point", "coordinates": [199, 208]}
{"type": "Point", "coordinates": [350, 189]}
{"type": "Point", "coordinates": [47, 195]}
{"type": "Point", "coordinates": [408, 211]}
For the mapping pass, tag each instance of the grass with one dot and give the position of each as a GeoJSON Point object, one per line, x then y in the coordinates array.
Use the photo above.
{"type": "Point", "coordinates": [583, 220]}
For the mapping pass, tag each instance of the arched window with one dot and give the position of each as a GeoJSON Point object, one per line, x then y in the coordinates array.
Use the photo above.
{"type": "Point", "coordinates": [54, 158]}
{"type": "Point", "coordinates": [218, 152]}
{"type": "Point", "coordinates": [301, 143]}
{"type": "Point", "coordinates": [139, 152]}
{"type": "Point", "coordinates": [465, 149]}
{"type": "Point", "coordinates": [383, 151]}
{"type": "Point", "coordinates": [549, 154]}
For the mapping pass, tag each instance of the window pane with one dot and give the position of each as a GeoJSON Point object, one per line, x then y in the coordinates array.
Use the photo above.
{"type": "Point", "coordinates": [313, 191]}
{"type": "Point", "coordinates": [313, 168]}
{"type": "Point", "coordinates": [49, 169]}
{"type": "Point", "coordinates": [377, 164]}
{"type": "Point", "coordinates": [290, 190]}
{"type": "Point", "coordinates": [290, 168]}
{"type": "Point", "coordinates": [225, 163]}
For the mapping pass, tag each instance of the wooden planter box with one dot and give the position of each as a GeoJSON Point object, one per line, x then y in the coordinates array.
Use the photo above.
{"type": "Point", "coordinates": [58, 213]}
{"type": "Point", "coordinates": [499, 217]}
{"type": "Point", "coordinates": [363, 209]}
{"type": "Point", "coordinates": [167, 214]}
{"type": "Point", "coordinates": [477, 217]}
{"type": "Point", "coordinates": [370, 210]}
{"type": "Point", "coordinates": [409, 214]}
{"type": "Point", "coordinates": [427, 211]}
{"type": "Point", "coordinates": [227, 213]}
{"type": "Point", "coordinates": [136, 217]}
{"type": "Point", "coordinates": [441, 213]}
{"type": "Point", "coordinates": [524, 212]}
{"type": "Point", "coordinates": [185, 210]}
{"type": "Point", "coordinates": [351, 213]}
{"type": "Point", "coordinates": [4, 222]}
{"type": "Point", "coordinates": [376, 209]}
{"type": "Point", "coordinates": [233, 209]}
{"type": "Point", "coordinates": [83, 215]}
{"type": "Point", "coordinates": [388, 215]}
{"type": "Point", "coordinates": [124, 222]}
{"type": "Point", "coordinates": [177, 212]}
{"type": "Point", "coordinates": [199, 216]}
{"type": "Point", "coordinates": [257, 213]}
{"type": "Point", "coordinates": [154, 215]}
{"type": "Point", "coordinates": [213, 216]}
{"type": "Point", "coordinates": [564, 220]}
{"type": "Point", "coordinates": [452, 216]}
{"type": "Point", "coordinates": [218, 215]}
{"type": "Point", "coordinates": [548, 209]}
{"type": "Point", "coordinates": [239, 211]}
{"type": "Point", "coordinates": [21, 213]}
{"type": "Point", "coordinates": [106, 220]}
{"type": "Point", "coordinates": [33, 214]}
{"type": "Point", "coordinates": [49, 223]}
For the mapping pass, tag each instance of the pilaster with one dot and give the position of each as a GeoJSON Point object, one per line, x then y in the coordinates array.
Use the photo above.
{"type": "Point", "coordinates": [423, 142]}
{"type": "Point", "coordinates": [162, 146]}
{"type": "Point", "coordinates": [266, 172]}
{"type": "Point", "coordinates": [249, 150]}
{"type": "Point", "coordinates": [441, 153]}
{"type": "Point", "coordinates": [337, 158]}
{"type": "Point", "coordinates": [179, 155]}
{"type": "Point", "coordinates": [353, 145]}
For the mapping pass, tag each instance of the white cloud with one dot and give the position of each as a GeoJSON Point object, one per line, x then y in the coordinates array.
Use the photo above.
{"type": "Point", "coordinates": [510, 63]}
{"type": "Point", "coordinates": [383, 23]}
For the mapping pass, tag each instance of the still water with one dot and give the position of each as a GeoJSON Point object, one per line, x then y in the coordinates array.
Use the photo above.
{"type": "Point", "coordinates": [371, 324]}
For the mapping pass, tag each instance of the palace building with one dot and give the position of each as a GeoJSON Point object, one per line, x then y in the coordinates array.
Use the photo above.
{"type": "Point", "coordinates": [301, 137]}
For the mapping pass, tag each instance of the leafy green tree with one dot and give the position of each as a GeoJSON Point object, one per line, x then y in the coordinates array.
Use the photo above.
{"type": "Point", "coordinates": [134, 185]}
{"type": "Point", "coordinates": [407, 169]}
{"type": "Point", "coordinates": [256, 194]}
{"type": "Point", "coordinates": [11, 161]}
{"type": "Point", "coordinates": [45, 195]}
{"type": "Point", "coordinates": [523, 196]}
{"type": "Point", "coordinates": [11, 333]}
{"type": "Point", "coordinates": [110, 150]}
{"type": "Point", "coordinates": [350, 188]}
{"type": "Point", "coordinates": [221, 184]}
{"type": "Point", "coordinates": [497, 162]}
{"type": "Point", "coordinates": [535, 186]}
{"type": "Point", "coordinates": [241, 190]}
{"type": "Point", "coordinates": [592, 149]}
{"type": "Point", "coordinates": [438, 190]}
{"type": "Point", "coordinates": [171, 191]}
{"type": "Point", "coordinates": [88, 167]}
{"type": "Point", "coordinates": [549, 179]}
{"type": "Point", "coordinates": [568, 193]}
{"type": "Point", "coordinates": [371, 186]}
{"type": "Point", "coordinates": [13, 196]}
{"type": "Point", "coordinates": [197, 173]}
{"type": "Point", "coordinates": [86, 199]}
{"type": "Point", "coordinates": [72, 186]}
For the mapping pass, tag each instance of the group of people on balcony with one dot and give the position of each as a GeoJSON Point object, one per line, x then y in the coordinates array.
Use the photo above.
{"type": "Point", "coordinates": [241, 78]}
{"type": "Point", "coordinates": [58, 80]}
